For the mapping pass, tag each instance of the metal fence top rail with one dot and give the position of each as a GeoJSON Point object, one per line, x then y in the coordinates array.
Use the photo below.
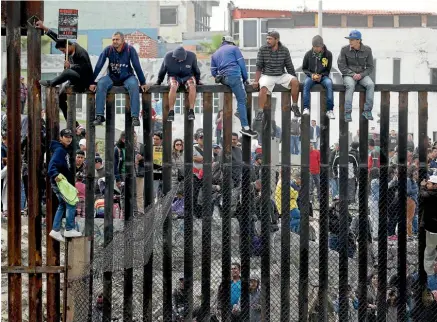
{"type": "Point", "coordinates": [278, 88]}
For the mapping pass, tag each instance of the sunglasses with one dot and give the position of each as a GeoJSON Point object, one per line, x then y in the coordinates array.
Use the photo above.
{"type": "Point", "coordinates": [178, 144]}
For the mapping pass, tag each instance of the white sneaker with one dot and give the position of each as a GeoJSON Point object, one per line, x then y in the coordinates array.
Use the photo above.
{"type": "Point", "coordinates": [72, 233]}
{"type": "Point", "coordinates": [57, 236]}
{"type": "Point", "coordinates": [330, 115]}
{"type": "Point", "coordinates": [306, 111]}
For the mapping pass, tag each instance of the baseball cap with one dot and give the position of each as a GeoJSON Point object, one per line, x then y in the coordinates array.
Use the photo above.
{"type": "Point", "coordinates": [82, 142]}
{"type": "Point", "coordinates": [433, 179]}
{"type": "Point", "coordinates": [98, 160]}
{"type": "Point", "coordinates": [354, 34]}
{"type": "Point", "coordinates": [216, 146]}
{"type": "Point", "coordinates": [258, 157]}
{"type": "Point", "coordinates": [66, 133]}
{"type": "Point", "coordinates": [200, 134]}
{"type": "Point", "coordinates": [228, 39]}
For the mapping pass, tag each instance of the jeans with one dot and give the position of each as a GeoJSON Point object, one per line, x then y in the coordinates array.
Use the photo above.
{"type": "Point", "coordinates": [237, 87]}
{"type": "Point", "coordinates": [315, 180]}
{"type": "Point", "coordinates": [430, 252]}
{"type": "Point", "coordinates": [131, 84]}
{"type": "Point", "coordinates": [295, 220]}
{"type": "Point", "coordinates": [218, 135]}
{"type": "Point", "coordinates": [350, 83]}
{"type": "Point", "coordinates": [62, 207]}
{"type": "Point", "coordinates": [294, 144]}
{"type": "Point", "coordinates": [334, 242]}
{"type": "Point", "coordinates": [327, 84]}
{"type": "Point", "coordinates": [333, 183]}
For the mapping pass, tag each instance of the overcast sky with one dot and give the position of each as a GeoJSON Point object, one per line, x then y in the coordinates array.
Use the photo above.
{"type": "Point", "coordinates": [217, 20]}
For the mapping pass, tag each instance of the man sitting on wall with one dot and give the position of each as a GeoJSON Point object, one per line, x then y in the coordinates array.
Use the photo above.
{"type": "Point", "coordinates": [78, 69]}
{"type": "Point", "coordinates": [181, 67]}
{"type": "Point", "coordinates": [122, 57]}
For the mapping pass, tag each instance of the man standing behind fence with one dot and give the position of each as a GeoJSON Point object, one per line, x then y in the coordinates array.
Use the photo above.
{"type": "Point", "coordinates": [428, 195]}
{"type": "Point", "coordinates": [271, 62]}
{"type": "Point", "coordinates": [228, 68]}
{"type": "Point", "coordinates": [356, 64]}
{"type": "Point", "coordinates": [121, 58]}
{"type": "Point", "coordinates": [181, 67]}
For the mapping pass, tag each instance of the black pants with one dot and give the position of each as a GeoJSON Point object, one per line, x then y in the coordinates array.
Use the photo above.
{"type": "Point", "coordinates": [23, 103]}
{"type": "Point", "coordinates": [73, 78]}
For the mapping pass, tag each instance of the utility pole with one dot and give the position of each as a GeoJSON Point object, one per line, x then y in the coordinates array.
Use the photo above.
{"type": "Point", "coordinates": [320, 17]}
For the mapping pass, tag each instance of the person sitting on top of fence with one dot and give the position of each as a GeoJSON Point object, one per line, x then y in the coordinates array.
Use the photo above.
{"type": "Point", "coordinates": [122, 57]}
{"type": "Point", "coordinates": [356, 64]}
{"type": "Point", "coordinates": [317, 65]}
{"type": "Point", "coordinates": [271, 62]}
{"type": "Point", "coordinates": [181, 67]}
{"type": "Point", "coordinates": [78, 69]}
{"type": "Point", "coordinates": [228, 68]}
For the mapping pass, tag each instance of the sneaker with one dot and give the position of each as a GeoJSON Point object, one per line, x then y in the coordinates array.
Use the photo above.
{"type": "Point", "coordinates": [249, 132]}
{"type": "Point", "coordinates": [99, 120]}
{"type": "Point", "coordinates": [348, 117]}
{"type": "Point", "coordinates": [330, 115]}
{"type": "Point", "coordinates": [191, 115]}
{"type": "Point", "coordinates": [259, 116]}
{"type": "Point", "coordinates": [45, 83]}
{"type": "Point", "coordinates": [306, 111]}
{"type": "Point", "coordinates": [368, 115]}
{"type": "Point", "coordinates": [237, 115]}
{"type": "Point", "coordinates": [135, 121]}
{"type": "Point", "coordinates": [170, 117]}
{"type": "Point", "coordinates": [57, 235]}
{"type": "Point", "coordinates": [295, 110]}
{"type": "Point", "coordinates": [72, 233]}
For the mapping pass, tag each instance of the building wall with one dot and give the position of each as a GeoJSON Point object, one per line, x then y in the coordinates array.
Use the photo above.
{"type": "Point", "coordinates": [173, 33]}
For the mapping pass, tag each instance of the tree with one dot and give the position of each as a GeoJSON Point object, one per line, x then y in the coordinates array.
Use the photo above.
{"type": "Point", "coordinates": [213, 45]}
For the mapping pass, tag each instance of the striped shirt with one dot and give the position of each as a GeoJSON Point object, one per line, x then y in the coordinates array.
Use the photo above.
{"type": "Point", "coordinates": [274, 63]}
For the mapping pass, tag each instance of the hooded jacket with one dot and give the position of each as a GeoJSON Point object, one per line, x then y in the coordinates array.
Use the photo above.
{"type": "Point", "coordinates": [181, 70]}
{"type": "Point", "coordinates": [314, 63]}
{"type": "Point", "coordinates": [60, 162]}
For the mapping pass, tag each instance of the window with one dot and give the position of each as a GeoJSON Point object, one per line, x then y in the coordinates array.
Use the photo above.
{"type": "Point", "coordinates": [120, 102]}
{"type": "Point", "coordinates": [264, 30]}
{"type": "Point", "coordinates": [304, 20]}
{"type": "Point", "coordinates": [250, 33]}
{"type": "Point", "coordinates": [357, 21]}
{"type": "Point", "coordinates": [432, 21]}
{"type": "Point", "coordinates": [383, 21]}
{"type": "Point", "coordinates": [251, 68]}
{"type": "Point", "coordinates": [433, 76]}
{"type": "Point", "coordinates": [169, 16]}
{"type": "Point", "coordinates": [236, 30]}
{"type": "Point", "coordinates": [410, 21]}
{"type": "Point", "coordinates": [331, 20]}
{"type": "Point", "coordinates": [396, 71]}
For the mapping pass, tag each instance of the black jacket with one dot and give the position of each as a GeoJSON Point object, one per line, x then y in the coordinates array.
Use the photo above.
{"type": "Point", "coordinates": [181, 70]}
{"type": "Point", "coordinates": [313, 64]}
{"type": "Point", "coordinates": [429, 202]}
{"type": "Point", "coordinates": [80, 62]}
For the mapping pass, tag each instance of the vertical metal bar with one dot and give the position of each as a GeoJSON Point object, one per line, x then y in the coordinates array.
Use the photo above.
{"type": "Point", "coordinates": [402, 193]}
{"type": "Point", "coordinates": [189, 203]}
{"type": "Point", "coordinates": [71, 121]}
{"type": "Point", "coordinates": [53, 247]}
{"type": "Point", "coordinates": [89, 193]}
{"type": "Point", "coordinates": [266, 208]}
{"type": "Point", "coordinates": [207, 207]}
{"type": "Point", "coordinates": [35, 161]}
{"type": "Point", "coordinates": [423, 172]}
{"type": "Point", "coordinates": [324, 208]}
{"type": "Point", "coordinates": [246, 220]}
{"type": "Point", "coordinates": [108, 224]}
{"type": "Point", "coordinates": [13, 112]}
{"type": "Point", "coordinates": [148, 201]}
{"type": "Point", "coordinates": [363, 214]}
{"type": "Point", "coordinates": [285, 208]}
{"type": "Point", "coordinates": [304, 221]}
{"type": "Point", "coordinates": [226, 216]}
{"type": "Point", "coordinates": [343, 266]}
{"type": "Point", "coordinates": [167, 229]}
{"type": "Point", "coordinates": [383, 206]}
{"type": "Point", "coordinates": [129, 202]}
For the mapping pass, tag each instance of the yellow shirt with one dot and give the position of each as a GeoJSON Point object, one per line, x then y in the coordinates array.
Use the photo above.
{"type": "Point", "coordinates": [293, 197]}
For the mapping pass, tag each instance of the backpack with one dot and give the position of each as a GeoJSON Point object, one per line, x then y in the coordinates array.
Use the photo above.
{"type": "Point", "coordinates": [99, 210]}
{"type": "Point", "coordinates": [68, 191]}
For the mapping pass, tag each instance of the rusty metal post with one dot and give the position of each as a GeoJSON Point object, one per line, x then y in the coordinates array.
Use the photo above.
{"type": "Point", "coordinates": [13, 40]}
{"type": "Point", "coordinates": [35, 160]}
{"type": "Point", "coordinates": [53, 247]}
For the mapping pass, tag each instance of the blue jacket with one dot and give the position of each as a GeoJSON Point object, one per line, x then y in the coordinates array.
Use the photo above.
{"type": "Point", "coordinates": [181, 70]}
{"type": "Point", "coordinates": [228, 61]}
{"type": "Point", "coordinates": [60, 162]}
{"type": "Point", "coordinates": [412, 190]}
{"type": "Point", "coordinates": [120, 64]}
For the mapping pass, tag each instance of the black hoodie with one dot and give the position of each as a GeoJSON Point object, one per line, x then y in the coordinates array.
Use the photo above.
{"type": "Point", "coordinates": [429, 202]}
{"type": "Point", "coordinates": [313, 64]}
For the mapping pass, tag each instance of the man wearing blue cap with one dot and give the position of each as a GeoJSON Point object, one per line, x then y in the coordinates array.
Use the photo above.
{"type": "Point", "coordinates": [356, 64]}
{"type": "Point", "coordinates": [181, 68]}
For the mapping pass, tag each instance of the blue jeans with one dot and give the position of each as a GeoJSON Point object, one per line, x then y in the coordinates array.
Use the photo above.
{"type": "Point", "coordinates": [334, 186]}
{"type": "Point", "coordinates": [350, 83]}
{"type": "Point", "coordinates": [333, 243]}
{"type": "Point", "coordinates": [327, 84]}
{"type": "Point", "coordinates": [294, 144]}
{"type": "Point", "coordinates": [315, 181]}
{"type": "Point", "coordinates": [237, 87]}
{"type": "Point", "coordinates": [105, 84]}
{"type": "Point", "coordinates": [62, 207]}
{"type": "Point", "coordinates": [295, 220]}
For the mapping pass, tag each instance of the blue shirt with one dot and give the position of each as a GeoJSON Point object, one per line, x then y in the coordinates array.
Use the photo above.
{"type": "Point", "coordinates": [432, 282]}
{"type": "Point", "coordinates": [228, 61]}
{"type": "Point", "coordinates": [235, 292]}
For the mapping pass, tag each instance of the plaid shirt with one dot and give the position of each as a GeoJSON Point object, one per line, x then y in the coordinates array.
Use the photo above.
{"type": "Point", "coordinates": [23, 92]}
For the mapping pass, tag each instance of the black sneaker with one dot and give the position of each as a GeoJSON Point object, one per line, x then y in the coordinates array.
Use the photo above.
{"type": "Point", "coordinates": [237, 115]}
{"type": "Point", "coordinates": [295, 110]}
{"type": "Point", "coordinates": [191, 116]}
{"type": "Point", "coordinates": [249, 132]}
{"type": "Point", "coordinates": [259, 116]}
{"type": "Point", "coordinates": [45, 83]}
{"type": "Point", "coordinates": [170, 117]}
{"type": "Point", "coordinates": [99, 120]}
{"type": "Point", "coordinates": [135, 121]}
